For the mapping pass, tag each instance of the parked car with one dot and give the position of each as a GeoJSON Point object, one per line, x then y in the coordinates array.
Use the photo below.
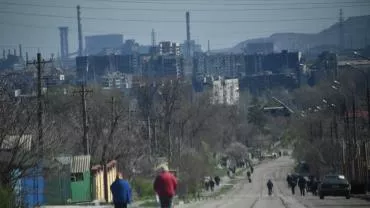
{"type": "Point", "coordinates": [334, 185]}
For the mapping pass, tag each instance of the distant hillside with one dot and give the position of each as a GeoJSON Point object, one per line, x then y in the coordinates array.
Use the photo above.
{"type": "Point", "coordinates": [356, 35]}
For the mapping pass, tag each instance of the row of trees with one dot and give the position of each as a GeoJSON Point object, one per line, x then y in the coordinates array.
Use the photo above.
{"type": "Point", "coordinates": [331, 127]}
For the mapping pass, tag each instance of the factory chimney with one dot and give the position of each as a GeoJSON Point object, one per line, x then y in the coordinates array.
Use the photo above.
{"type": "Point", "coordinates": [187, 34]}
{"type": "Point", "coordinates": [80, 44]}
{"type": "Point", "coordinates": [63, 42]}
{"type": "Point", "coordinates": [20, 51]}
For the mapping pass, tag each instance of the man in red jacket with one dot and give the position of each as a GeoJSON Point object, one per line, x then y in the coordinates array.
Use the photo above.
{"type": "Point", "coordinates": [165, 186]}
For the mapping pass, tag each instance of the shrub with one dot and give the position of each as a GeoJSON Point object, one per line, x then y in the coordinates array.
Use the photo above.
{"type": "Point", "coordinates": [143, 187]}
{"type": "Point", "coordinates": [6, 198]}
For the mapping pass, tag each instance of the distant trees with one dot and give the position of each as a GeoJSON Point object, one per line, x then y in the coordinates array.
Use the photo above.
{"type": "Point", "coordinates": [330, 128]}
{"type": "Point", "coordinates": [237, 151]}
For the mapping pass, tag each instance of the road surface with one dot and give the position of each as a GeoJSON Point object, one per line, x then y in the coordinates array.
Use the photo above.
{"type": "Point", "coordinates": [254, 195]}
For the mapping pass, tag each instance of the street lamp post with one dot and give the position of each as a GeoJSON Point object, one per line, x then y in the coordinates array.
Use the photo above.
{"type": "Point", "coordinates": [334, 130]}
{"type": "Point", "coordinates": [350, 163]}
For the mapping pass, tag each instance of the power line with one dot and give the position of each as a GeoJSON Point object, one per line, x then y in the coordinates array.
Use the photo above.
{"type": "Point", "coordinates": [224, 4]}
{"type": "Point", "coordinates": [47, 27]}
{"type": "Point", "coordinates": [193, 10]}
{"type": "Point", "coordinates": [171, 21]}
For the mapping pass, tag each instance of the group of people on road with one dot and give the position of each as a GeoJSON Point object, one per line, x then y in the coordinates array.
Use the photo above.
{"type": "Point", "coordinates": [303, 184]}
{"type": "Point", "coordinates": [165, 185]}
{"type": "Point", "coordinates": [209, 182]}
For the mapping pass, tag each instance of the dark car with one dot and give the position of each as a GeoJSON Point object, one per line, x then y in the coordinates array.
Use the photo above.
{"type": "Point", "coordinates": [334, 185]}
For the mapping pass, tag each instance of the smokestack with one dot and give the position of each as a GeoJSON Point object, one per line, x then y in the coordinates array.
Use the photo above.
{"type": "Point", "coordinates": [187, 26]}
{"type": "Point", "coordinates": [15, 52]}
{"type": "Point", "coordinates": [63, 42]}
{"type": "Point", "coordinates": [4, 54]}
{"type": "Point", "coordinates": [187, 34]}
{"type": "Point", "coordinates": [20, 50]}
{"type": "Point", "coordinates": [153, 38]}
{"type": "Point", "coordinates": [8, 52]}
{"type": "Point", "coordinates": [80, 44]}
{"type": "Point", "coordinates": [26, 57]}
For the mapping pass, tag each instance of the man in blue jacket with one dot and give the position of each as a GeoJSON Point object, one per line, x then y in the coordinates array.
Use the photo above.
{"type": "Point", "coordinates": [121, 192]}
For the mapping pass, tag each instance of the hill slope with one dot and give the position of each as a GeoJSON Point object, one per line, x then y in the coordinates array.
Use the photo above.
{"type": "Point", "coordinates": [356, 35]}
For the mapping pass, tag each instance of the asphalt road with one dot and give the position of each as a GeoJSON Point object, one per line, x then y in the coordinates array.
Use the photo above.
{"type": "Point", "coordinates": [254, 195]}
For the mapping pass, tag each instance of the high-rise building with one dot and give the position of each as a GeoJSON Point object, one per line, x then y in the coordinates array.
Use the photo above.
{"type": "Point", "coordinates": [225, 91]}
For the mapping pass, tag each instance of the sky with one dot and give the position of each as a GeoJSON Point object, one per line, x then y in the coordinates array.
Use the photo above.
{"type": "Point", "coordinates": [34, 23]}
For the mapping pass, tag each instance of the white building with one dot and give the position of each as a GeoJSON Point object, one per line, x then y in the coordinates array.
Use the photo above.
{"type": "Point", "coordinates": [113, 80]}
{"type": "Point", "coordinates": [225, 91]}
{"type": "Point", "coordinates": [169, 48]}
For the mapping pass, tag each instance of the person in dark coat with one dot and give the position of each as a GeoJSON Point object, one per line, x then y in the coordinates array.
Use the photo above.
{"type": "Point", "coordinates": [302, 185]}
{"type": "Point", "coordinates": [314, 186]}
{"type": "Point", "coordinates": [289, 179]}
{"type": "Point", "coordinates": [211, 184]}
{"type": "Point", "coordinates": [249, 176]}
{"type": "Point", "coordinates": [217, 180]}
{"type": "Point", "coordinates": [293, 184]}
{"type": "Point", "coordinates": [269, 186]}
{"type": "Point", "coordinates": [121, 192]}
{"type": "Point", "coordinates": [165, 185]}
{"type": "Point", "coordinates": [206, 184]}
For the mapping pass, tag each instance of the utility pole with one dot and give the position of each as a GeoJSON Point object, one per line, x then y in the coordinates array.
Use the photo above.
{"type": "Point", "coordinates": [355, 165]}
{"type": "Point", "coordinates": [105, 147]}
{"type": "Point", "coordinates": [39, 63]}
{"type": "Point", "coordinates": [365, 143]}
{"type": "Point", "coordinates": [85, 139]}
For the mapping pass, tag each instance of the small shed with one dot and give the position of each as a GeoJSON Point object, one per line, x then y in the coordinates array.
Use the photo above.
{"type": "Point", "coordinates": [98, 180]}
{"type": "Point", "coordinates": [80, 178]}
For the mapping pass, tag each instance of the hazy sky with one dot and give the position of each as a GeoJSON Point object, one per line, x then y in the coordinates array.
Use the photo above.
{"type": "Point", "coordinates": [34, 23]}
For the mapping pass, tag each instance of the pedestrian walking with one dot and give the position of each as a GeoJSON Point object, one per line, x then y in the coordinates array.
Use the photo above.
{"type": "Point", "coordinates": [212, 184]}
{"type": "Point", "coordinates": [293, 184]}
{"type": "Point", "coordinates": [289, 179]}
{"type": "Point", "coordinates": [314, 186]}
{"type": "Point", "coordinates": [302, 183]}
{"type": "Point", "coordinates": [206, 183]}
{"type": "Point", "coordinates": [217, 180]}
{"type": "Point", "coordinates": [165, 186]}
{"type": "Point", "coordinates": [269, 186]}
{"type": "Point", "coordinates": [249, 176]}
{"type": "Point", "coordinates": [121, 192]}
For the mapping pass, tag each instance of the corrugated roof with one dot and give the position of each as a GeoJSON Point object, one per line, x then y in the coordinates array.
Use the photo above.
{"type": "Point", "coordinates": [65, 160]}
{"type": "Point", "coordinates": [80, 163]}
